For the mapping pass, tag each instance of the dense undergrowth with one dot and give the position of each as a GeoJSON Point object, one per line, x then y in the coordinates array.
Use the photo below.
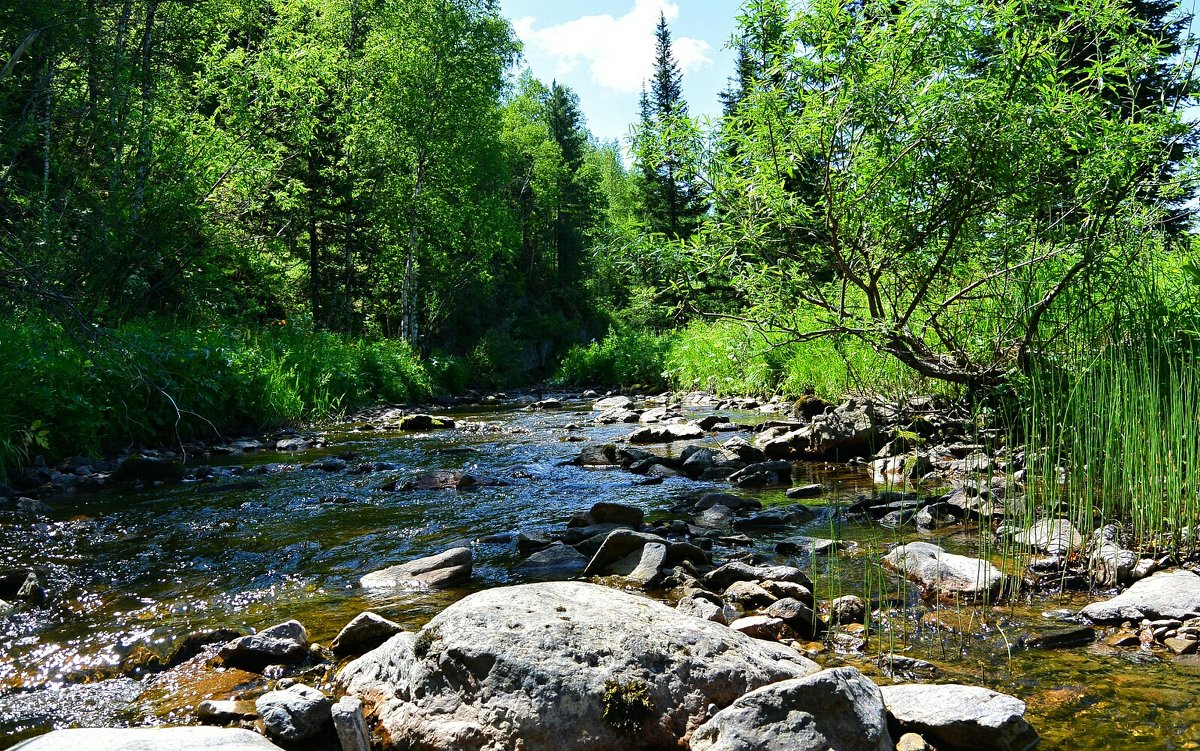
{"type": "Point", "coordinates": [728, 358]}
{"type": "Point", "coordinates": [155, 383]}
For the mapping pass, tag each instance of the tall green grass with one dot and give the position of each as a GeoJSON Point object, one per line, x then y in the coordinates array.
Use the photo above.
{"type": "Point", "coordinates": [161, 382]}
{"type": "Point", "coordinates": [1126, 427]}
{"type": "Point", "coordinates": [727, 359]}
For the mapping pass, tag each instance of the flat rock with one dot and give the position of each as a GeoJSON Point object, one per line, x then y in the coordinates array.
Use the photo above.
{"type": "Point", "coordinates": [834, 709]}
{"type": "Point", "coordinates": [365, 632]}
{"type": "Point", "coordinates": [944, 575]}
{"type": "Point", "coordinates": [801, 544]}
{"type": "Point", "coordinates": [1052, 536]}
{"type": "Point", "coordinates": [720, 578]}
{"type": "Point", "coordinates": [1167, 594]}
{"type": "Point", "coordinates": [562, 666]}
{"type": "Point", "coordinates": [282, 644]}
{"type": "Point", "coordinates": [666, 433]}
{"type": "Point", "coordinates": [149, 739]}
{"type": "Point", "coordinates": [1068, 636]}
{"type": "Point", "coordinates": [961, 716]}
{"type": "Point", "coordinates": [805, 491]}
{"type": "Point", "coordinates": [440, 571]}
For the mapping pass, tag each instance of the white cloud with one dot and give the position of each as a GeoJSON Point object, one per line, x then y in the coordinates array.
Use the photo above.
{"type": "Point", "coordinates": [619, 52]}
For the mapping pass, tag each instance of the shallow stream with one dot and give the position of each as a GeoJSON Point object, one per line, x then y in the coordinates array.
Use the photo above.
{"type": "Point", "coordinates": [129, 570]}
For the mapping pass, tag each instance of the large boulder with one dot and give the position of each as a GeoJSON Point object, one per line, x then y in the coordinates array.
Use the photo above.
{"type": "Point", "coordinates": [833, 709]}
{"type": "Point", "coordinates": [849, 430]}
{"type": "Point", "coordinates": [1167, 594]}
{"type": "Point", "coordinates": [961, 716]}
{"type": "Point", "coordinates": [440, 571]}
{"type": "Point", "coordinates": [564, 666]}
{"type": "Point", "coordinates": [149, 739]}
{"type": "Point", "coordinates": [282, 644]}
{"type": "Point", "coordinates": [945, 575]}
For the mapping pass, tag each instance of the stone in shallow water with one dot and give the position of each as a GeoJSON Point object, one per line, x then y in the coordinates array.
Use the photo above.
{"type": "Point", "coordinates": [833, 709]}
{"type": "Point", "coordinates": [284, 644]}
{"type": "Point", "coordinates": [961, 716]}
{"type": "Point", "coordinates": [364, 633]}
{"type": "Point", "coordinates": [1167, 594]}
{"type": "Point", "coordinates": [944, 575]}
{"type": "Point", "coordinates": [559, 561]}
{"type": "Point", "coordinates": [447, 569]}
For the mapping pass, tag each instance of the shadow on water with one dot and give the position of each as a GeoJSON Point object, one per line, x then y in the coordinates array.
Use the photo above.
{"type": "Point", "coordinates": [142, 569]}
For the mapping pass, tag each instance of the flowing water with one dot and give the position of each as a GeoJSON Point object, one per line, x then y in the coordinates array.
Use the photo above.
{"type": "Point", "coordinates": [133, 570]}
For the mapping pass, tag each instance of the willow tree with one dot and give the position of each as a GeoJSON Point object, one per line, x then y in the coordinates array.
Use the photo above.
{"type": "Point", "coordinates": [973, 175]}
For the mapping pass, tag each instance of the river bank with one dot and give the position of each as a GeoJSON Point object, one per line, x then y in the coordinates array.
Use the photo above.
{"type": "Point", "coordinates": [147, 567]}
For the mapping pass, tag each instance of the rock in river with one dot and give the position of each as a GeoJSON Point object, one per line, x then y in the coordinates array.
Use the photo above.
{"type": "Point", "coordinates": [559, 561]}
{"type": "Point", "coordinates": [364, 633]}
{"type": "Point", "coordinates": [149, 739]}
{"type": "Point", "coordinates": [447, 569]}
{"type": "Point", "coordinates": [961, 716]}
{"type": "Point", "coordinates": [833, 709]}
{"type": "Point", "coordinates": [944, 575]}
{"type": "Point", "coordinates": [294, 714]}
{"type": "Point", "coordinates": [1167, 594]}
{"type": "Point", "coordinates": [564, 666]}
{"type": "Point", "coordinates": [281, 644]}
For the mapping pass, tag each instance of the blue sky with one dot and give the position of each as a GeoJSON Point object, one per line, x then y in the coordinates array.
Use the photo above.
{"type": "Point", "coordinates": [604, 50]}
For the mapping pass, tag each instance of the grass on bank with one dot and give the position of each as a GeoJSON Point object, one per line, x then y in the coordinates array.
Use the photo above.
{"type": "Point", "coordinates": [729, 359]}
{"type": "Point", "coordinates": [158, 383]}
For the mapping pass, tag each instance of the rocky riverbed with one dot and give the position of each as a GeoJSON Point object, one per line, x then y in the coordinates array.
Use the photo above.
{"type": "Point", "coordinates": [574, 568]}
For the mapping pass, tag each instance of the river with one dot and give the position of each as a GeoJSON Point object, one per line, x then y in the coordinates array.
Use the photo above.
{"type": "Point", "coordinates": [134, 570]}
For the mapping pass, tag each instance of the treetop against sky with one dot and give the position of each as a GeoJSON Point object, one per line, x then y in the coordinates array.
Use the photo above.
{"type": "Point", "coordinates": [604, 50]}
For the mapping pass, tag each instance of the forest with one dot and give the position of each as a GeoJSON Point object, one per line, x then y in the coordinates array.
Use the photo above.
{"type": "Point", "coordinates": [233, 214]}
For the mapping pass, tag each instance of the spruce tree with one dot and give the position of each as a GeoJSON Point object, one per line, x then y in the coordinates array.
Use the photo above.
{"type": "Point", "coordinates": [672, 197]}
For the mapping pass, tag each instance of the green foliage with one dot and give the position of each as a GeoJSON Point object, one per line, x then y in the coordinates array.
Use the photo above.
{"type": "Point", "coordinates": [624, 358]}
{"type": "Point", "coordinates": [627, 706]}
{"type": "Point", "coordinates": [730, 358]}
{"type": "Point", "coordinates": [158, 383]}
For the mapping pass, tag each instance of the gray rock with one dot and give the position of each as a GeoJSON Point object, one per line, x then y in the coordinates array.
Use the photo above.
{"type": "Point", "coordinates": [612, 402]}
{"type": "Point", "coordinates": [621, 543]}
{"type": "Point", "coordinates": [720, 578]}
{"type": "Point", "coordinates": [805, 491]}
{"type": "Point", "coordinates": [1167, 594]}
{"type": "Point", "coordinates": [701, 607]}
{"type": "Point", "coordinates": [564, 666]}
{"type": "Point", "coordinates": [848, 430]}
{"type": "Point", "coordinates": [749, 595]}
{"type": "Point", "coordinates": [616, 416]}
{"type": "Point", "coordinates": [798, 616]}
{"type": "Point", "coordinates": [365, 632]}
{"type": "Point", "coordinates": [759, 627]}
{"type": "Point", "coordinates": [801, 544]}
{"type": "Point", "coordinates": [961, 716]}
{"type": "Point", "coordinates": [944, 575]}
{"type": "Point", "coordinates": [775, 473]}
{"type": "Point", "coordinates": [149, 739]}
{"type": "Point", "coordinates": [447, 569]}
{"type": "Point", "coordinates": [733, 502]}
{"type": "Point", "coordinates": [666, 433]}
{"type": "Point", "coordinates": [282, 644]}
{"type": "Point", "coordinates": [559, 561]}
{"type": "Point", "coordinates": [616, 513]}
{"type": "Point", "coordinates": [350, 724]}
{"type": "Point", "coordinates": [224, 712]}
{"type": "Point", "coordinates": [1052, 536]}
{"type": "Point", "coordinates": [837, 709]}
{"type": "Point", "coordinates": [296, 713]}
{"type": "Point", "coordinates": [785, 516]}
{"type": "Point", "coordinates": [598, 456]}
{"type": "Point", "coordinates": [848, 609]}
